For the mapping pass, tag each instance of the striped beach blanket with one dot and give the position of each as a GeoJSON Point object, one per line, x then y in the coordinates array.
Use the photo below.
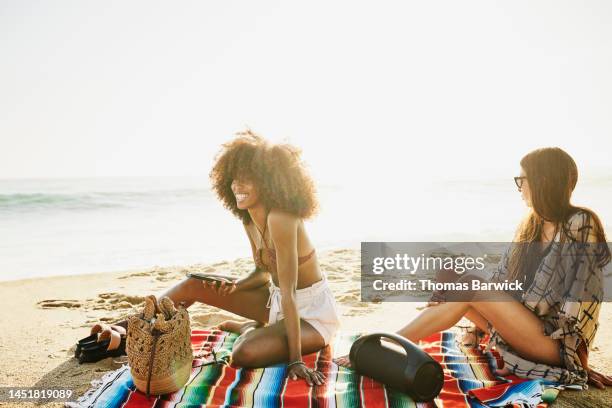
{"type": "Point", "coordinates": [469, 382]}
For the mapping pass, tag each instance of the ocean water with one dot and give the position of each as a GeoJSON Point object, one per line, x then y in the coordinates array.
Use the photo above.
{"type": "Point", "coordinates": [73, 226]}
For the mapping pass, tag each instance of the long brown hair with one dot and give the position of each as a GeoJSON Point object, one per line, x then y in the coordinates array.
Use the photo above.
{"type": "Point", "coordinates": [552, 175]}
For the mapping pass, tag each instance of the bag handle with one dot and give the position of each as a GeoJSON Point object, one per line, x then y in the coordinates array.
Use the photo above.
{"type": "Point", "coordinates": [155, 333]}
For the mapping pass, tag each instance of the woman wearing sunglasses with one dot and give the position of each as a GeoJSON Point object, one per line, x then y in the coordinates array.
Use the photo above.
{"type": "Point", "coordinates": [559, 252]}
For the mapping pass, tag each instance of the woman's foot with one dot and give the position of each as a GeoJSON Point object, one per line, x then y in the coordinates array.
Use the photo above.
{"type": "Point", "coordinates": [343, 361]}
{"type": "Point", "coordinates": [472, 337]}
{"type": "Point", "coordinates": [238, 327]}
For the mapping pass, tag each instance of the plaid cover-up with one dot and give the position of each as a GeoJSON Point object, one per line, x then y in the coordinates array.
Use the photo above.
{"type": "Point", "coordinates": [566, 294]}
{"type": "Point", "coordinates": [469, 382]}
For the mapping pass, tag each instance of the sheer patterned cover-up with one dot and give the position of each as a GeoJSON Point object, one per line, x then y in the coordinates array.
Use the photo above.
{"type": "Point", "coordinates": [566, 294]}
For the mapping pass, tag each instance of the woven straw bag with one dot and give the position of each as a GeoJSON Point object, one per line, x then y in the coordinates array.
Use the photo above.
{"type": "Point", "coordinates": [159, 347]}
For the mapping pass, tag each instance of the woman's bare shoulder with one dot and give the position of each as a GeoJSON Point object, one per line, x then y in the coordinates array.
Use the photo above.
{"type": "Point", "coordinates": [277, 217]}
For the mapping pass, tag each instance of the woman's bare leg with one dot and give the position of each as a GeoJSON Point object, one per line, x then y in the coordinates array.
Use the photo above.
{"type": "Point", "coordinates": [517, 325]}
{"type": "Point", "coordinates": [472, 336]}
{"type": "Point", "coordinates": [246, 303]}
{"type": "Point", "coordinates": [268, 345]}
{"type": "Point", "coordinates": [479, 321]}
{"type": "Point", "coordinates": [256, 347]}
{"type": "Point", "coordinates": [238, 327]}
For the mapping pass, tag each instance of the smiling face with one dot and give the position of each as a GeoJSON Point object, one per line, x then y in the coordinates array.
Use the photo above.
{"type": "Point", "coordinates": [245, 193]}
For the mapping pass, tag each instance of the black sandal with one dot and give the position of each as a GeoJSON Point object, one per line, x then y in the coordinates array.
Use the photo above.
{"type": "Point", "coordinates": [104, 341]}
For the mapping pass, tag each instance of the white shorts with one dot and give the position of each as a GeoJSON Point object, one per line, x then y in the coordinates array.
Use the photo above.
{"type": "Point", "coordinates": [315, 304]}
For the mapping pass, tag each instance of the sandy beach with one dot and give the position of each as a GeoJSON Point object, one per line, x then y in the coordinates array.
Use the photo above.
{"type": "Point", "coordinates": [41, 319]}
{"type": "Point", "coordinates": [143, 140]}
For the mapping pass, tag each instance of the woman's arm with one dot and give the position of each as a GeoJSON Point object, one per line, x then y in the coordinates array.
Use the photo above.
{"type": "Point", "coordinates": [580, 280]}
{"type": "Point", "coordinates": [283, 230]}
{"type": "Point", "coordinates": [253, 280]}
{"type": "Point", "coordinates": [256, 278]}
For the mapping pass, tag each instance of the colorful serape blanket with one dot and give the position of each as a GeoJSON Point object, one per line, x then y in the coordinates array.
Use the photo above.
{"type": "Point", "coordinates": [469, 382]}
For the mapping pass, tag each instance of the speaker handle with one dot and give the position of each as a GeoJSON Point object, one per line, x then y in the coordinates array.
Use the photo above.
{"type": "Point", "coordinates": [396, 338]}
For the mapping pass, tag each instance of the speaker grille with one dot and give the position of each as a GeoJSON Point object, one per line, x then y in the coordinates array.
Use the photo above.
{"type": "Point", "coordinates": [428, 382]}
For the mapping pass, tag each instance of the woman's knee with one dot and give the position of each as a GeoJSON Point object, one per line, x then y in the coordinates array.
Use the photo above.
{"type": "Point", "coordinates": [185, 291]}
{"type": "Point", "coordinates": [191, 285]}
{"type": "Point", "coordinates": [245, 354]}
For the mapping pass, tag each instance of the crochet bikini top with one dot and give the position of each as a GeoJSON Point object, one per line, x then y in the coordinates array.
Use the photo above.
{"type": "Point", "coordinates": [272, 252]}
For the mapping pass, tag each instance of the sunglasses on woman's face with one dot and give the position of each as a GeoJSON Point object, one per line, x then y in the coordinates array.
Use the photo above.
{"type": "Point", "coordinates": [519, 181]}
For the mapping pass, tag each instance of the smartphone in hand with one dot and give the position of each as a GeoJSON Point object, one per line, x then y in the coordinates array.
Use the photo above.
{"type": "Point", "coordinates": [208, 278]}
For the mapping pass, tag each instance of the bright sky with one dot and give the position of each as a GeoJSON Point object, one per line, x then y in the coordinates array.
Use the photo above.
{"type": "Point", "coordinates": [366, 89]}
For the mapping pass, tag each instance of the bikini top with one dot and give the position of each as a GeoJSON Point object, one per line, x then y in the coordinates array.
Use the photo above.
{"type": "Point", "coordinates": [272, 252]}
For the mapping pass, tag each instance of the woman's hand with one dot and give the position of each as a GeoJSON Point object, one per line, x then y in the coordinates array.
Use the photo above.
{"type": "Point", "coordinates": [437, 297]}
{"type": "Point", "coordinates": [598, 379]}
{"type": "Point", "coordinates": [222, 289]}
{"type": "Point", "coordinates": [472, 336]}
{"type": "Point", "coordinates": [430, 303]}
{"type": "Point", "coordinates": [343, 361]}
{"type": "Point", "coordinates": [311, 376]}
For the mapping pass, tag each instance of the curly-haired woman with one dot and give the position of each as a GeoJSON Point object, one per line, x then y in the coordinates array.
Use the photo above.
{"type": "Point", "coordinates": [287, 296]}
{"type": "Point", "coordinates": [559, 253]}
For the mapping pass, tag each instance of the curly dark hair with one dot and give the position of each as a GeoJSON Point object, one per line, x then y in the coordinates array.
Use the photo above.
{"type": "Point", "coordinates": [276, 170]}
